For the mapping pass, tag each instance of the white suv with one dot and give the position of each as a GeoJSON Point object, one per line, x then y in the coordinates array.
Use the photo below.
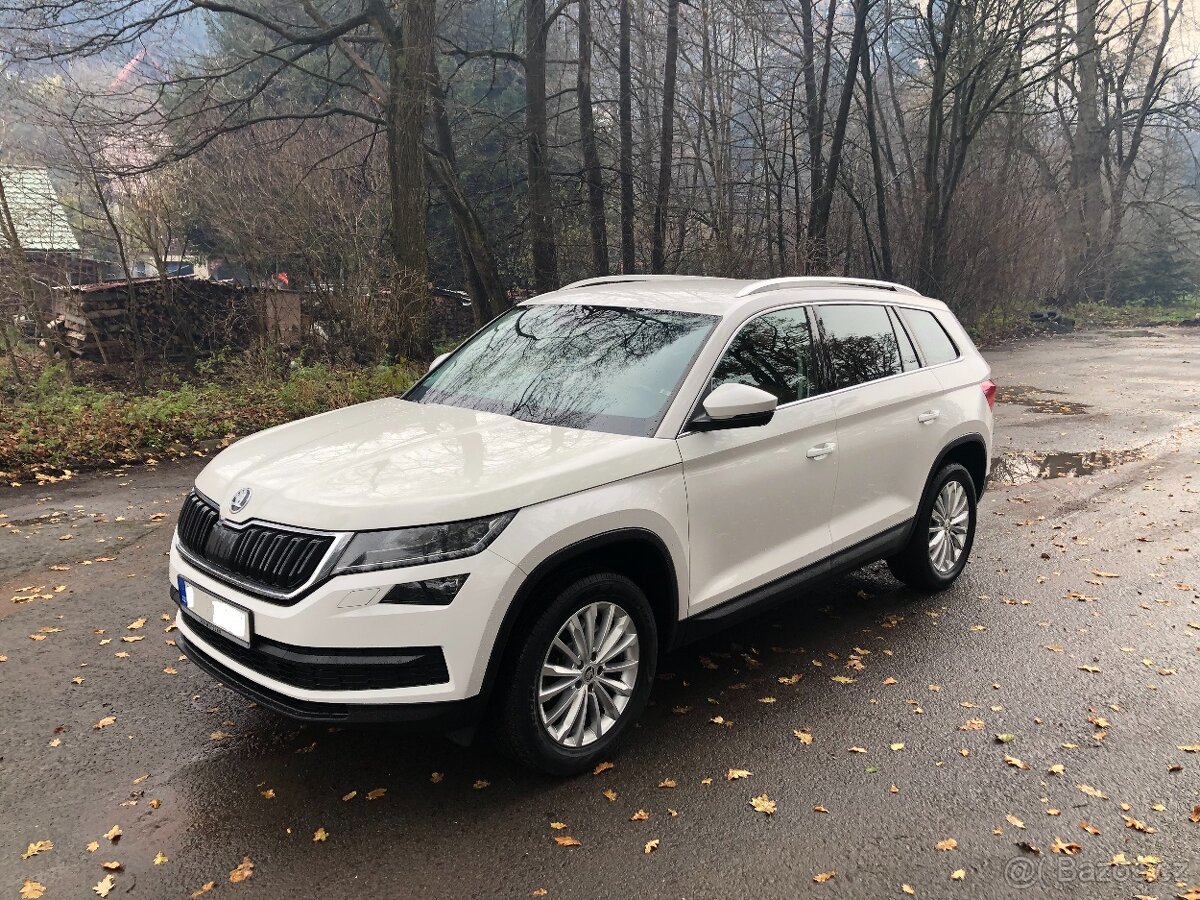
{"type": "Point", "coordinates": [598, 475]}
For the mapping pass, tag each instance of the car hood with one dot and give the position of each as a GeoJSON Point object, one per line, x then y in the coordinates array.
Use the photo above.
{"type": "Point", "coordinates": [391, 463]}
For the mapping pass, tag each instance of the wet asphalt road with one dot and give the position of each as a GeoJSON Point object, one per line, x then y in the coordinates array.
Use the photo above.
{"type": "Point", "coordinates": [1075, 629]}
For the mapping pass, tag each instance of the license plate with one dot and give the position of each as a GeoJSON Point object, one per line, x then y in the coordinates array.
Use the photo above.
{"type": "Point", "coordinates": [221, 615]}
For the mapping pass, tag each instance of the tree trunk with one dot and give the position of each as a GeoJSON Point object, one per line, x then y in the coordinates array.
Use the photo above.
{"type": "Point", "coordinates": [625, 114]}
{"type": "Point", "coordinates": [406, 111]}
{"type": "Point", "coordinates": [885, 241]}
{"type": "Point", "coordinates": [1085, 275]}
{"type": "Point", "coordinates": [488, 297]}
{"type": "Point", "coordinates": [592, 172]}
{"type": "Point", "coordinates": [666, 146]}
{"type": "Point", "coordinates": [541, 200]}
{"type": "Point", "coordinates": [818, 226]}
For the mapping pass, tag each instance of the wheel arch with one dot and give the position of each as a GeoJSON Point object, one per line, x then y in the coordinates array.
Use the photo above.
{"type": "Point", "coordinates": [969, 451]}
{"type": "Point", "coordinates": [638, 553]}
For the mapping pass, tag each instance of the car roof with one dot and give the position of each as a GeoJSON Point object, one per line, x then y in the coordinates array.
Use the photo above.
{"type": "Point", "coordinates": [727, 297]}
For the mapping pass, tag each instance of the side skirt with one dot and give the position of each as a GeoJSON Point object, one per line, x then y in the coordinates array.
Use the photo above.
{"type": "Point", "coordinates": [777, 592]}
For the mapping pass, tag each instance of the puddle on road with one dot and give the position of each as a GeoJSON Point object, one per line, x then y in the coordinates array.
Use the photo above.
{"type": "Point", "coordinates": [1039, 400]}
{"type": "Point", "coordinates": [1024, 467]}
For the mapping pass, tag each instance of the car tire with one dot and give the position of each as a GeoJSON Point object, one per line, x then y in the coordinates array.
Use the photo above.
{"type": "Point", "coordinates": [943, 532]}
{"type": "Point", "coordinates": [527, 716]}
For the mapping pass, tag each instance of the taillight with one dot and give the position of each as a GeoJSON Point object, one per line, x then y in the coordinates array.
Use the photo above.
{"type": "Point", "coordinates": [989, 391]}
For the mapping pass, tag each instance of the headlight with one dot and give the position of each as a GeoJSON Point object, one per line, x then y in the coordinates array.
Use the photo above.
{"type": "Point", "coordinates": [373, 550]}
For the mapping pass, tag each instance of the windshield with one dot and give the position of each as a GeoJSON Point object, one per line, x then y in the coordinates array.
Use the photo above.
{"type": "Point", "coordinates": [594, 367]}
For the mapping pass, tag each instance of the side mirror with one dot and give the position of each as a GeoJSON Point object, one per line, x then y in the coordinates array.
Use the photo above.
{"type": "Point", "coordinates": [735, 406]}
{"type": "Point", "coordinates": [438, 360]}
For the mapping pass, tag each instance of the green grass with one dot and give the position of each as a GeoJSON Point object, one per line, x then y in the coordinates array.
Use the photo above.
{"type": "Point", "coordinates": [1134, 314]}
{"type": "Point", "coordinates": [52, 425]}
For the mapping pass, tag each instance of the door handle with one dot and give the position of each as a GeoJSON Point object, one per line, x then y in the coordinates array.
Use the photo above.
{"type": "Point", "coordinates": [821, 450]}
{"type": "Point", "coordinates": [929, 416]}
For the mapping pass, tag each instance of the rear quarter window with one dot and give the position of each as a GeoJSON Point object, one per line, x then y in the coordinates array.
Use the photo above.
{"type": "Point", "coordinates": [936, 346]}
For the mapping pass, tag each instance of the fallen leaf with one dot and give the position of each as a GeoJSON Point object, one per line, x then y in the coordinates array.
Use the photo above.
{"type": "Point", "coordinates": [803, 737]}
{"type": "Point", "coordinates": [37, 847]}
{"type": "Point", "coordinates": [651, 846]}
{"type": "Point", "coordinates": [565, 840]}
{"type": "Point", "coordinates": [376, 793]}
{"type": "Point", "coordinates": [958, 875]}
{"type": "Point", "coordinates": [104, 886]}
{"type": "Point", "coordinates": [243, 871]}
{"type": "Point", "coordinates": [1061, 846]}
{"type": "Point", "coordinates": [105, 722]}
{"type": "Point", "coordinates": [947, 844]}
{"type": "Point", "coordinates": [1092, 792]}
{"type": "Point", "coordinates": [898, 745]}
{"type": "Point", "coordinates": [203, 889]}
{"type": "Point", "coordinates": [609, 794]}
{"type": "Point", "coordinates": [320, 836]}
{"type": "Point", "coordinates": [858, 750]}
{"type": "Point", "coordinates": [436, 777]}
{"type": "Point", "coordinates": [602, 767]}
{"type": "Point", "coordinates": [1016, 763]}
{"type": "Point", "coordinates": [1138, 825]}
{"type": "Point", "coordinates": [481, 784]}
{"type": "Point", "coordinates": [764, 804]}
{"type": "Point", "coordinates": [92, 846]}
{"type": "Point", "coordinates": [32, 890]}
{"type": "Point", "coordinates": [113, 834]}
{"type": "Point", "coordinates": [1089, 827]}
{"type": "Point", "coordinates": [640, 816]}
{"type": "Point", "coordinates": [842, 679]}
{"type": "Point", "coordinates": [668, 783]}
{"type": "Point", "coordinates": [822, 877]}
{"type": "Point", "coordinates": [1195, 816]}
{"type": "Point", "coordinates": [734, 774]}
{"type": "Point", "coordinates": [908, 889]}
{"type": "Point", "coordinates": [160, 858]}
{"type": "Point", "coordinates": [1014, 822]}
{"type": "Point", "coordinates": [558, 826]}
{"type": "Point", "coordinates": [137, 623]}
{"type": "Point", "coordinates": [269, 794]}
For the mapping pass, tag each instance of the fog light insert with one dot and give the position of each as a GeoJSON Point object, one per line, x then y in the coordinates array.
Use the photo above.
{"type": "Point", "coordinates": [432, 592]}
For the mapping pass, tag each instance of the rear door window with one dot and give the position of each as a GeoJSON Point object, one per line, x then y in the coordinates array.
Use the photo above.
{"type": "Point", "coordinates": [860, 342]}
{"type": "Point", "coordinates": [935, 344]}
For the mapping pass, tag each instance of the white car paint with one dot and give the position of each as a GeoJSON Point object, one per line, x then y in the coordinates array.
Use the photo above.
{"type": "Point", "coordinates": [734, 509]}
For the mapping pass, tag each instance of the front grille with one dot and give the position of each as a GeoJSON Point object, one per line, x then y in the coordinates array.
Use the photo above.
{"type": "Point", "coordinates": [273, 558]}
{"type": "Point", "coordinates": [321, 669]}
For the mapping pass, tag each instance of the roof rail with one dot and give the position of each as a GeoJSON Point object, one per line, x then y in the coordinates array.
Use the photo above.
{"type": "Point", "coordinates": [621, 279]}
{"type": "Point", "coordinates": [817, 281]}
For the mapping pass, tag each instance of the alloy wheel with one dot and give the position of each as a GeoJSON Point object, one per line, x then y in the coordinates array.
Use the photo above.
{"type": "Point", "coordinates": [948, 524]}
{"type": "Point", "coordinates": [588, 674]}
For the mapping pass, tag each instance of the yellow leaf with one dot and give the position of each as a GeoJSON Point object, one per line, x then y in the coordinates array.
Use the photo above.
{"type": "Point", "coordinates": [610, 794]}
{"type": "Point", "coordinates": [105, 722]}
{"type": "Point", "coordinates": [1092, 792]}
{"type": "Point", "coordinates": [1188, 748]}
{"type": "Point", "coordinates": [243, 871]}
{"type": "Point", "coordinates": [160, 858]}
{"type": "Point", "coordinates": [32, 890]}
{"type": "Point", "coordinates": [376, 793]}
{"type": "Point", "coordinates": [602, 767]}
{"type": "Point", "coordinates": [112, 865]}
{"type": "Point", "coordinates": [558, 826]}
{"type": "Point", "coordinates": [766, 699]}
{"type": "Point", "coordinates": [137, 623]}
{"type": "Point", "coordinates": [734, 774]}
{"type": "Point", "coordinates": [203, 889]}
{"type": "Point", "coordinates": [820, 809]}
{"type": "Point", "coordinates": [908, 889]}
{"type": "Point", "coordinates": [843, 679]}
{"type": "Point", "coordinates": [822, 877]}
{"type": "Point", "coordinates": [436, 777]}
{"type": "Point", "coordinates": [113, 834]}
{"type": "Point", "coordinates": [958, 875]}
{"type": "Point", "coordinates": [481, 784]}
{"type": "Point", "coordinates": [1016, 763]}
{"type": "Point", "coordinates": [803, 737]}
{"type": "Point", "coordinates": [668, 783]}
{"type": "Point", "coordinates": [640, 816]}
{"type": "Point", "coordinates": [858, 750]}
{"type": "Point", "coordinates": [104, 886]}
{"type": "Point", "coordinates": [795, 679]}
{"type": "Point", "coordinates": [650, 847]}
{"type": "Point", "coordinates": [1061, 846]}
{"type": "Point", "coordinates": [565, 840]}
{"type": "Point", "coordinates": [1014, 822]}
{"type": "Point", "coordinates": [971, 725]}
{"type": "Point", "coordinates": [890, 681]}
{"type": "Point", "coordinates": [37, 847]}
{"type": "Point", "coordinates": [320, 836]}
{"type": "Point", "coordinates": [898, 745]}
{"type": "Point", "coordinates": [1138, 825]}
{"type": "Point", "coordinates": [269, 794]}
{"type": "Point", "coordinates": [1057, 769]}
{"type": "Point", "coordinates": [947, 844]}
{"type": "Point", "coordinates": [1089, 827]}
{"type": "Point", "coordinates": [764, 804]}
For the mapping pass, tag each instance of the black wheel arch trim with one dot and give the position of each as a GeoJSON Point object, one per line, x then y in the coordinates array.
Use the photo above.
{"type": "Point", "coordinates": [526, 592]}
{"type": "Point", "coordinates": [973, 437]}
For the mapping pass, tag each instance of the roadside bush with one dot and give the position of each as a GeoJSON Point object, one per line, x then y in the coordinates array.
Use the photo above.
{"type": "Point", "coordinates": [51, 424]}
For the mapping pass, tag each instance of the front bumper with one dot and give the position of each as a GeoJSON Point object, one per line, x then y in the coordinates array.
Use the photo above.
{"type": "Point", "coordinates": [337, 657]}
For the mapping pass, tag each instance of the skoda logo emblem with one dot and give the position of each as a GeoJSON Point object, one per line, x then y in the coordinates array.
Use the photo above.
{"type": "Point", "coordinates": [239, 501]}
